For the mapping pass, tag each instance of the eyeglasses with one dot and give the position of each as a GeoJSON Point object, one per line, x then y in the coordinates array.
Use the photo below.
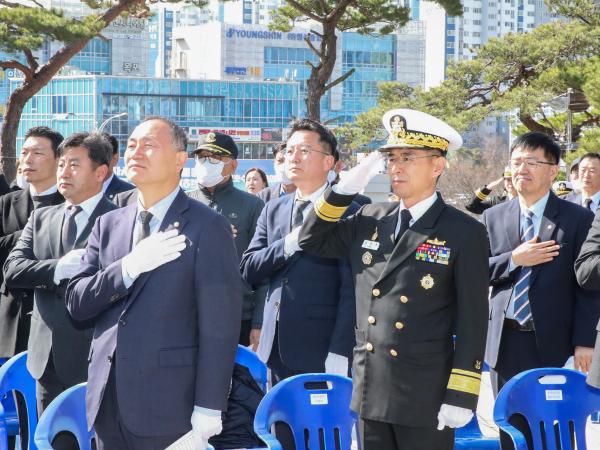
{"type": "Point", "coordinates": [304, 150]}
{"type": "Point", "coordinates": [211, 160]}
{"type": "Point", "coordinates": [529, 163]}
{"type": "Point", "coordinates": [407, 159]}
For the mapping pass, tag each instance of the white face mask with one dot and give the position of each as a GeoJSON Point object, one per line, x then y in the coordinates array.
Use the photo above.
{"type": "Point", "coordinates": [280, 172]}
{"type": "Point", "coordinates": [208, 174]}
{"type": "Point", "coordinates": [331, 176]}
{"type": "Point", "coordinates": [22, 182]}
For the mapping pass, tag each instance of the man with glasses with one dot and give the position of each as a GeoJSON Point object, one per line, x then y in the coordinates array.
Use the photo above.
{"type": "Point", "coordinates": [216, 161]}
{"type": "Point", "coordinates": [589, 182]}
{"type": "Point", "coordinates": [539, 315]}
{"type": "Point", "coordinates": [309, 315]}
{"type": "Point", "coordinates": [420, 271]}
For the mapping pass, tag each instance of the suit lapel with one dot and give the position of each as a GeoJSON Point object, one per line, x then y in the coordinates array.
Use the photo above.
{"type": "Point", "coordinates": [414, 236]}
{"type": "Point", "coordinates": [56, 218]}
{"type": "Point", "coordinates": [547, 227]}
{"type": "Point", "coordinates": [512, 221]}
{"type": "Point", "coordinates": [173, 219]}
{"type": "Point", "coordinates": [386, 228]}
{"type": "Point", "coordinates": [287, 208]}
{"type": "Point", "coordinates": [102, 207]}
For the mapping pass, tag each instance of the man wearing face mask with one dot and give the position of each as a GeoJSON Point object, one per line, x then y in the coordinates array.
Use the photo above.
{"type": "Point", "coordinates": [216, 162]}
{"type": "Point", "coordinates": [285, 185]}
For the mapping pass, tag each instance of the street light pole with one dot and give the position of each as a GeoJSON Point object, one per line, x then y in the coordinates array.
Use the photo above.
{"type": "Point", "coordinates": [111, 118]}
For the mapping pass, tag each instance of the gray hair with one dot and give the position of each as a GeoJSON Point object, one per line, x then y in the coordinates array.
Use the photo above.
{"type": "Point", "coordinates": [178, 136]}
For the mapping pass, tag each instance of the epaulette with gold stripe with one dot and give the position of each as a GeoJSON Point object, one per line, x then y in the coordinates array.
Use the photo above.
{"type": "Point", "coordinates": [465, 381]}
{"type": "Point", "coordinates": [327, 211]}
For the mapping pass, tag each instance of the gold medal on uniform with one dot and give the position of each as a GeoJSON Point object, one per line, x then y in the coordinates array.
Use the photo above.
{"type": "Point", "coordinates": [367, 258]}
{"type": "Point", "coordinates": [427, 282]}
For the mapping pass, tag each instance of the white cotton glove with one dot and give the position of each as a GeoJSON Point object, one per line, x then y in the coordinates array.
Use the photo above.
{"type": "Point", "coordinates": [153, 251]}
{"type": "Point", "coordinates": [68, 265]}
{"type": "Point", "coordinates": [357, 178]}
{"type": "Point", "coordinates": [290, 242]}
{"type": "Point", "coordinates": [336, 364]}
{"type": "Point", "coordinates": [453, 416]}
{"type": "Point", "coordinates": [206, 423]}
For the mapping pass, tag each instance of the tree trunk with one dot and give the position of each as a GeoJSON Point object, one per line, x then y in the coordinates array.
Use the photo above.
{"type": "Point", "coordinates": [12, 116]}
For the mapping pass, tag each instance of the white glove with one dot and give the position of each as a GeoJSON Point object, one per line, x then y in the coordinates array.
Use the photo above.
{"type": "Point", "coordinates": [453, 416]}
{"type": "Point", "coordinates": [290, 242]}
{"type": "Point", "coordinates": [152, 252]}
{"type": "Point", "coordinates": [336, 364]}
{"type": "Point", "coordinates": [206, 423]}
{"type": "Point", "coordinates": [68, 265]}
{"type": "Point", "coordinates": [357, 178]}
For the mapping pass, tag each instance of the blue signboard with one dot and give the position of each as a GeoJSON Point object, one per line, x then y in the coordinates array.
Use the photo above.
{"type": "Point", "coordinates": [188, 180]}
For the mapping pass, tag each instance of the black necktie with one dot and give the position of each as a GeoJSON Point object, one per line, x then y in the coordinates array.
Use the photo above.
{"type": "Point", "coordinates": [144, 232]}
{"type": "Point", "coordinates": [298, 213]}
{"type": "Point", "coordinates": [405, 219]}
{"type": "Point", "coordinates": [69, 229]}
{"type": "Point", "coordinates": [588, 203]}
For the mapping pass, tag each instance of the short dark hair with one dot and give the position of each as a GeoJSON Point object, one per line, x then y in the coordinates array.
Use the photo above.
{"type": "Point", "coordinates": [98, 146]}
{"type": "Point", "coordinates": [278, 148]}
{"type": "Point", "coordinates": [179, 138]}
{"type": "Point", "coordinates": [113, 142]}
{"type": "Point", "coordinates": [261, 172]}
{"type": "Point", "coordinates": [589, 155]}
{"type": "Point", "coordinates": [534, 140]}
{"type": "Point", "coordinates": [325, 134]}
{"type": "Point", "coordinates": [42, 131]}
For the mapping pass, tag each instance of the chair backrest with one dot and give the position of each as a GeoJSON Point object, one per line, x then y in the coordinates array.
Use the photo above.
{"type": "Point", "coordinates": [14, 376]}
{"type": "Point", "coordinates": [257, 368]}
{"type": "Point", "coordinates": [65, 413]}
{"type": "Point", "coordinates": [315, 414]}
{"type": "Point", "coordinates": [551, 400]}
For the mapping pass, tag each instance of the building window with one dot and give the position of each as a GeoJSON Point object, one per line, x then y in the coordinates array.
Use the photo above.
{"type": "Point", "coordinates": [59, 104]}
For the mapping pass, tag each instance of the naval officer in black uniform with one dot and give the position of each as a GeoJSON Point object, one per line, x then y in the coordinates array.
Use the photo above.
{"type": "Point", "coordinates": [421, 274]}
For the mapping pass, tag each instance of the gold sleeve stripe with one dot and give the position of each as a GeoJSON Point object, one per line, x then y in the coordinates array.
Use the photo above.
{"type": "Point", "coordinates": [464, 384]}
{"type": "Point", "coordinates": [327, 211]}
{"type": "Point", "coordinates": [467, 373]}
{"type": "Point", "coordinates": [480, 195]}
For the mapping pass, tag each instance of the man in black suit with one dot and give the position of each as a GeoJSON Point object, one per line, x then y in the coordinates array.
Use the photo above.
{"type": "Point", "coordinates": [48, 254]}
{"type": "Point", "coordinates": [113, 185]}
{"type": "Point", "coordinates": [589, 182]}
{"type": "Point", "coordinates": [39, 158]}
{"type": "Point", "coordinates": [539, 315]}
{"type": "Point", "coordinates": [419, 268]}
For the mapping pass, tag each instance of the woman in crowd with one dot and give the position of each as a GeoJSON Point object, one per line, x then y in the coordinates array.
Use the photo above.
{"type": "Point", "coordinates": [256, 180]}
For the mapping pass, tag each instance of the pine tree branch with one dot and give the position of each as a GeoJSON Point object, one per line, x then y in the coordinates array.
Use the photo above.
{"type": "Point", "coordinates": [12, 64]}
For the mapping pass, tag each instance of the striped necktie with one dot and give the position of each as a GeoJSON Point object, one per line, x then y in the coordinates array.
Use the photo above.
{"type": "Point", "coordinates": [522, 307]}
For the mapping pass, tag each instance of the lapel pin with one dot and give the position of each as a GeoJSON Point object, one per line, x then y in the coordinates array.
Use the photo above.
{"type": "Point", "coordinates": [367, 258]}
{"type": "Point", "coordinates": [427, 282]}
{"type": "Point", "coordinates": [176, 224]}
{"type": "Point", "coordinates": [375, 235]}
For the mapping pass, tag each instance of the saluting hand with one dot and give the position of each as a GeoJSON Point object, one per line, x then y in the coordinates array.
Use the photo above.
{"type": "Point", "coordinates": [532, 253]}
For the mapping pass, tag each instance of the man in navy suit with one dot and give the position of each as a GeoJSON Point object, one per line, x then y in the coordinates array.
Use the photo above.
{"type": "Point", "coordinates": [161, 280]}
{"type": "Point", "coordinates": [309, 316]}
{"type": "Point", "coordinates": [113, 185]}
{"type": "Point", "coordinates": [539, 315]}
{"type": "Point", "coordinates": [589, 182]}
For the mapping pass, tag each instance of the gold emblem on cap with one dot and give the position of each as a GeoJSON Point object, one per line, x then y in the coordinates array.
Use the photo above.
{"type": "Point", "coordinates": [210, 137]}
{"type": "Point", "coordinates": [367, 258]}
{"type": "Point", "coordinates": [427, 282]}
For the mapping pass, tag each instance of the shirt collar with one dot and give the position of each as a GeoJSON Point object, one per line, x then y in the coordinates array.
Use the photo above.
{"type": "Point", "coordinates": [595, 198]}
{"type": "Point", "coordinates": [538, 207]}
{"type": "Point", "coordinates": [312, 197]}
{"type": "Point", "coordinates": [48, 191]}
{"type": "Point", "coordinates": [159, 210]}
{"type": "Point", "coordinates": [87, 206]}
{"type": "Point", "coordinates": [107, 182]}
{"type": "Point", "coordinates": [420, 208]}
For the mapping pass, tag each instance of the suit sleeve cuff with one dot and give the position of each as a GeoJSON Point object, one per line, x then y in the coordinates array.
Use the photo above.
{"type": "Point", "coordinates": [331, 206]}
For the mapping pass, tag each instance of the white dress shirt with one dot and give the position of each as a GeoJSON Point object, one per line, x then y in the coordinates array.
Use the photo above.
{"type": "Point", "coordinates": [595, 200]}
{"type": "Point", "coordinates": [416, 211]}
{"type": "Point", "coordinates": [50, 190]}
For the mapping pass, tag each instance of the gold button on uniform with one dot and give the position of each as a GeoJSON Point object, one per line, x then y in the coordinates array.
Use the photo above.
{"type": "Point", "coordinates": [404, 299]}
{"type": "Point", "coordinates": [371, 320]}
{"type": "Point", "coordinates": [393, 352]}
{"type": "Point", "coordinates": [376, 292]}
{"type": "Point", "coordinates": [369, 347]}
{"type": "Point", "coordinates": [399, 325]}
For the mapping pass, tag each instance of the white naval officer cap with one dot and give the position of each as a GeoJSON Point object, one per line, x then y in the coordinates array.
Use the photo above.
{"type": "Point", "coordinates": [416, 129]}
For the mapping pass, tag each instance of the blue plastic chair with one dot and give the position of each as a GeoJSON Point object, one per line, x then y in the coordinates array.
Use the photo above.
{"type": "Point", "coordinates": [310, 413]}
{"type": "Point", "coordinates": [257, 368]}
{"type": "Point", "coordinates": [10, 420]}
{"type": "Point", "coordinates": [471, 437]}
{"type": "Point", "coordinates": [546, 404]}
{"type": "Point", "coordinates": [66, 413]}
{"type": "Point", "coordinates": [14, 376]}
